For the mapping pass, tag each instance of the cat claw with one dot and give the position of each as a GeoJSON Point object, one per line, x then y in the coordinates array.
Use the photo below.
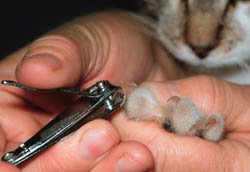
{"type": "Point", "coordinates": [213, 127]}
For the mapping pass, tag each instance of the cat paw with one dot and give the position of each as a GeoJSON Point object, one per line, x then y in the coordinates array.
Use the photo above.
{"type": "Point", "coordinates": [213, 127]}
{"type": "Point", "coordinates": [178, 115]}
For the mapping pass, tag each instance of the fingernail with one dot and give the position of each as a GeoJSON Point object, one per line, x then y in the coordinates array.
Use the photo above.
{"type": "Point", "coordinates": [126, 164]}
{"type": "Point", "coordinates": [44, 59]}
{"type": "Point", "coordinates": [95, 143]}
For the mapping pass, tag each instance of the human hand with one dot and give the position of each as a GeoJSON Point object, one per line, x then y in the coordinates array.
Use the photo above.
{"type": "Point", "coordinates": [101, 46]}
{"type": "Point", "coordinates": [94, 147]}
{"type": "Point", "coordinates": [190, 153]}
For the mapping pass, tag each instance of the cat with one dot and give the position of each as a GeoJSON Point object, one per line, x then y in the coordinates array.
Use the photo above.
{"type": "Point", "coordinates": [209, 37]}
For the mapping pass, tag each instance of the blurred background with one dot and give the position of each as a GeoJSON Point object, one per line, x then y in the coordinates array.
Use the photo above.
{"type": "Point", "coordinates": [21, 22]}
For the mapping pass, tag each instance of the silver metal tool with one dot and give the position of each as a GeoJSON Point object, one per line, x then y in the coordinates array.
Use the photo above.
{"type": "Point", "coordinates": [95, 102]}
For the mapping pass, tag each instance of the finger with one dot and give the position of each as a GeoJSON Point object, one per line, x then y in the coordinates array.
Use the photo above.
{"type": "Point", "coordinates": [169, 149]}
{"type": "Point", "coordinates": [126, 157]}
{"type": "Point", "coordinates": [64, 56]}
{"type": "Point", "coordinates": [6, 167]}
{"type": "Point", "coordinates": [60, 59]}
{"type": "Point", "coordinates": [85, 51]}
{"type": "Point", "coordinates": [2, 138]}
{"type": "Point", "coordinates": [50, 61]}
{"type": "Point", "coordinates": [211, 95]}
{"type": "Point", "coordinates": [88, 49]}
{"type": "Point", "coordinates": [79, 152]}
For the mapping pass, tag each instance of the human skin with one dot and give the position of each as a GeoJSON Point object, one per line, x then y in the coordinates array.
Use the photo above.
{"type": "Point", "coordinates": [113, 46]}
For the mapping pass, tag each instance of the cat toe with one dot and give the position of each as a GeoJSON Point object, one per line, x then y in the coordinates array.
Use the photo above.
{"type": "Point", "coordinates": [181, 115]}
{"type": "Point", "coordinates": [142, 105]}
{"type": "Point", "coordinates": [213, 128]}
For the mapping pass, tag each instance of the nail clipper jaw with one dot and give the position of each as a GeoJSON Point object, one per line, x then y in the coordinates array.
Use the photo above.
{"type": "Point", "coordinates": [107, 99]}
{"type": "Point", "coordinates": [115, 95]}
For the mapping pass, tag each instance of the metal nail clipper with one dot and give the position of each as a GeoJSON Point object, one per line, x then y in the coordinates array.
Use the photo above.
{"type": "Point", "coordinates": [98, 101]}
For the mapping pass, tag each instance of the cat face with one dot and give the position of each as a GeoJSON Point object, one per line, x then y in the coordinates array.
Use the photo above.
{"type": "Point", "coordinates": [209, 33]}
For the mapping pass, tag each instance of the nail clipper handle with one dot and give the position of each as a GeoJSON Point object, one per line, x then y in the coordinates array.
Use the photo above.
{"type": "Point", "coordinates": [81, 112]}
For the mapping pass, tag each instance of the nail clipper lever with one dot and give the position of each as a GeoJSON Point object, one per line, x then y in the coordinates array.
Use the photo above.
{"type": "Point", "coordinates": [95, 102]}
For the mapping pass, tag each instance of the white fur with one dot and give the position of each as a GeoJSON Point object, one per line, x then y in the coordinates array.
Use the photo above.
{"type": "Point", "coordinates": [233, 54]}
{"type": "Point", "coordinates": [141, 104]}
{"type": "Point", "coordinates": [185, 115]}
{"type": "Point", "coordinates": [240, 54]}
{"type": "Point", "coordinates": [215, 132]}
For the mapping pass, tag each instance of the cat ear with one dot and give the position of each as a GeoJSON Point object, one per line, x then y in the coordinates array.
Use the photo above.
{"type": "Point", "coordinates": [151, 7]}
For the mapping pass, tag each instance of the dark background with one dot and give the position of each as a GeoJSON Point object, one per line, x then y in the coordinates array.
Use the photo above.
{"type": "Point", "coordinates": [22, 22]}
